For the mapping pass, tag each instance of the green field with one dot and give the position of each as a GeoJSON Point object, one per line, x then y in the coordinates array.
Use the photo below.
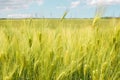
{"type": "Point", "coordinates": [54, 49]}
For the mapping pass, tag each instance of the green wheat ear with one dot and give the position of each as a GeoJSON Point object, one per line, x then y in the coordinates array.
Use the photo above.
{"type": "Point", "coordinates": [99, 12]}
{"type": "Point", "coordinates": [96, 19]}
{"type": "Point", "coordinates": [64, 15]}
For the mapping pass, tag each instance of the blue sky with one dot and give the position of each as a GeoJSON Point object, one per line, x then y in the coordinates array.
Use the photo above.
{"type": "Point", "coordinates": [56, 8]}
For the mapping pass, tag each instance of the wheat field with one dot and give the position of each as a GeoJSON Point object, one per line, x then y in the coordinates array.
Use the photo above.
{"type": "Point", "coordinates": [51, 49]}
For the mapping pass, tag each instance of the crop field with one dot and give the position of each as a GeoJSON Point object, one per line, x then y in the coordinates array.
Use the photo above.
{"type": "Point", "coordinates": [54, 49]}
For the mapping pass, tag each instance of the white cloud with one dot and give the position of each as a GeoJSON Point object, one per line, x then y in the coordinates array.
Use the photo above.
{"type": "Point", "coordinates": [17, 4]}
{"type": "Point", "coordinates": [40, 2]}
{"type": "Point", "coordinates": [103, 2]}
{"type": "Point", "coordinates": [61, 7]}
{"type": "Point", "coordinates": [75, 4]}
{"type": "Point", "coordinates": [19, 15]}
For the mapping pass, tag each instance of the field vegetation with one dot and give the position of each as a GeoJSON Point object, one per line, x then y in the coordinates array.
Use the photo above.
{"type": "Point", "coordinates": [54, 49]}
